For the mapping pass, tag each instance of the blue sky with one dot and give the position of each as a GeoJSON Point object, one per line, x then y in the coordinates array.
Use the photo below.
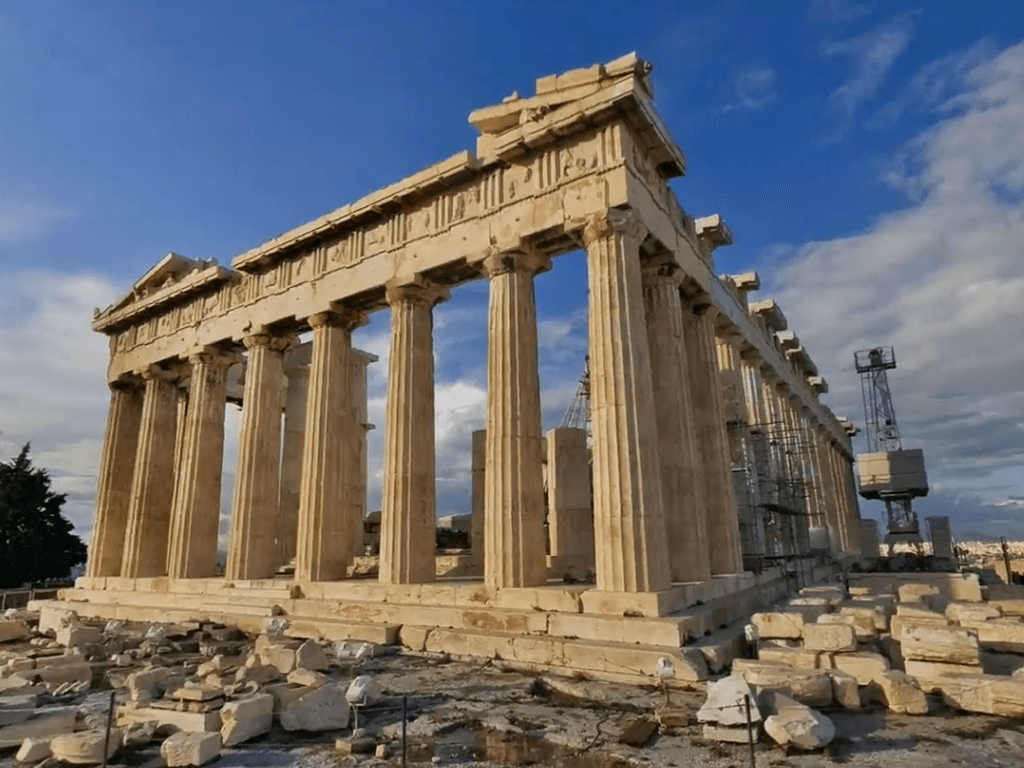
{"type": "Point", "coordinates": [864, 154]}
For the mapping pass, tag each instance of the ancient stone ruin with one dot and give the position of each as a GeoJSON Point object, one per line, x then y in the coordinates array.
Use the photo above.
{"type": "Point", "coordinates": [691, 387]}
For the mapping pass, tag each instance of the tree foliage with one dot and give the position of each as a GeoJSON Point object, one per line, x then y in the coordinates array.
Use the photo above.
{"type": "Point", "coordinates": [36, 542]}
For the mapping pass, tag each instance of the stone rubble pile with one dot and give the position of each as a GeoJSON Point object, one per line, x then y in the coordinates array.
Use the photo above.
{"type": "Point", "coordinates": [196, 688]}
{"type": "Point", "coordinates": [893, 641]}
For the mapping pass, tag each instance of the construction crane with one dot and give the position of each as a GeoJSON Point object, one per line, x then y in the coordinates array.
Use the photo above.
{"type": "Point", "coordinates": [887, 472]}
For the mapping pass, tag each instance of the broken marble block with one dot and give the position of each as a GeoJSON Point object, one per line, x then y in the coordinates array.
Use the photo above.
{"type": "Point", "coordinates": [246, 719]}
{"type": "Point", "coordinates": [323, 709]}
{"type": "Point", "coordinates": [794, 724]}
{"type": "Point", "coordinates": [190, 748]}
{"type": "Point", "coordinates": [727, 702]}
{"type": "Point", "coordinates": [86, 747]}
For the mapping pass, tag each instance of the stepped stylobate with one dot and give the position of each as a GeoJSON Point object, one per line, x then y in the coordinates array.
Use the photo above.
{"type": "Point", "coordinates": [692, 518]}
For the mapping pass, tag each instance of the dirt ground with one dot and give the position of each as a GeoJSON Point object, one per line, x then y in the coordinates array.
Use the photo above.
{"type": "Point", "coordinates": [477, 714]}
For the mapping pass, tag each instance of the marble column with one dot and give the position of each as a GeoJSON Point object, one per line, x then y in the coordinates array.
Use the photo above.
{"type": "Point", "coordinates": [629, 524]}
{"type": "Point", "coordinates": [723, 530]}
{"type": "Point", "coordinates": [514, 541]}
{"type": "Point", "coordinates": [408, 537]}
{"type": "Point", "coordinates": [326, 541]}
{"type": "Point", "coordinates": [851, 508]}
{"type": "Point", "coordinates": [195, 512]}
{"type": "Point", "coordinates": [829, 494]}
{"type": "Point", "coordinates": [847, 538]}
{"type": "Point", "coordinates": [357, 446]}
{"type": "Point", "coordinates": [680, 468]}
{"type": "Point", "coordinates": [296, 392]}
{"type": "Point", "coordinates": [252, 547]}
{"type": "Point", "coordinates": [113, 490]}
{"type": "Point", "coordinates": [570, 520]}
{"type": "Point", "coordinates": [478, 475]}
{"type": "Point", "coordinates": [179, 424]}
{"type": "Point", "coordinates": [149, 511]}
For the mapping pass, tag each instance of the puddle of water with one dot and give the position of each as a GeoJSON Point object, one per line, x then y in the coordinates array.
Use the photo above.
{"type": "Point", "coordinates": [485, 744]}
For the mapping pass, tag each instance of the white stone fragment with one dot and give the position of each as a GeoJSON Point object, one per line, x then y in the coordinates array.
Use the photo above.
{"type": "Point", "coordinates": [33, 750]}
{"type": "Point", "coordinates": [797, 725]}
{"type": "Point", "coordinates": [324, 709]}
{"type": "Point", "coordinates": [246, 718]}
{"type": "Point", "coordinates": [86, 747]}
{"type": "Point", "coordinates": [190, 748]}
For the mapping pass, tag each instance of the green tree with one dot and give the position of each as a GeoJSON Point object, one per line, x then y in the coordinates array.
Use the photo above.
{"type": "Point", "coordinates": [36, 542]}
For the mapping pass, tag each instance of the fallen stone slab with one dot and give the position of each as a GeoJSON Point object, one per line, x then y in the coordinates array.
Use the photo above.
{"type": "Point", "coordinates": [18, 709]}
{"type": "Point", "coordinates": [147, 684]}
{"type": "Point", "coordinates": [190, 748]}
{"type": "Point", "coordinates": [794, 724]}
{"type": "Point", "coordinates": [726, 703]}
{"type": "Point", "coordinates": [1005, 634]}
{"type": "Point", "coordinates": [985, 694]}
{"type": "Point", "coordinates": [246, 718]}
{"type": "Point", "coordinates": [33, 750]}
{"type": "Point", "coordinates": [971, 614]}
{"type": "Point", "coordinates": [169, 720]}
{"type": "Point", "coordinates": [788, 657]}
{"type": "Point", "coordinates": [809, 686]}
{"type": "Point", "coordinates": [75, 635]}
{"type": "Point", "coordinates": [13, 631]}
{"type": "Point", "coordinates": [835, 638]}
{"type": "Point", "coordinates": [86, 747]}
{"type": "Point", "coordinates": [732, 735]}
{"type": "Point", "coordinates": [863, 665]}
{"type": "Point", "coordinates": [15, 685]}
{"type": "Point", "coordinates": [52, 618]}
{"type": "Point", "coordinates": [55, 676]}
{"type": "Point", "coordinates": [863, 624]}
{"type": "Point", "coordinates": [44, 725]}
{"type": "Point", "coordinates": [901, 693]}
{"type": "Point", "coordinates": [1008, 607]}
{"type": "Point", "coordinates": [878, 617]}
{"type": "Point", "coordinates": [778, 624]}
{"type": "Point", "coordinates": [323, 709]}
{"type": "Point", "coordinates": [307, 678]}
{"type": "Point", "coordinates": [950, 645]}
{"type": "Point", "coordinates": [912, 593]}
{"type": "Point", "coordinates": [276, 652]}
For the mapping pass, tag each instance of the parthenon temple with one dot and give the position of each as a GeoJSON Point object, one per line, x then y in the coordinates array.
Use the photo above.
{"type": "Point", "coordinates": [710, 479]}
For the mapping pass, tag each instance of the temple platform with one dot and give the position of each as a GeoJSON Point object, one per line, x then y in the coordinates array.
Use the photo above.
{"type": "Point", "coordinates": [567, 628]}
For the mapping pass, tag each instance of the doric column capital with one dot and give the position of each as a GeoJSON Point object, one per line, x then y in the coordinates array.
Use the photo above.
{"type": "Point", "coordinates": [338, 317]}
{"type": "Point", "coordinates": [620, 221]}
{"type": "Point", "coordinates": [156, 372]}
{"type": "Point", "coordinates": [661, 269]}
{"type": "Point", "coordinates": [520, 260]}
{"type": "Point", "coordinates": [275, 343]}
{"type": "Point", "coordinates": [126, 383]}
{"type": "Point", "coordinates": [211, 356]}
{"type": "Point", "coordinates": [417, 290]}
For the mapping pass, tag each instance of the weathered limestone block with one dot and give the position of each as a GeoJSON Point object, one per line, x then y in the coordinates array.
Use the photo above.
{"type": "Point", "coordinates": [169, 720]}
{"type": "Point", "coordinates": [52, 676]}
{"type": "Point", "coordinates": [865, 666]}
{"type": "Point", "coordinates": [930, 674]}
{"type": "Point", "coordinates": [311, 656]}
{"type": "Point", "coordinates": [246, 718]}
{"type": "Point", "coordinates": [863, 625]}
{"type": "Point", "coordinates": [794, 724]}
{"type": "Point", "coordinates": [902, 693]}
{"type": "Point", "coordinates": [71, 636]}
{"type": "Point", "coordinates": [86, 747]}
{"type": "Point", "coordinates": [913, 593]}
{"type": "Point", "coordinates": [144, 686]}
{"type": "Point", "coordinates": [810, 613]}
{"type": "Point", "coordinates": [190, 748]}
{"type": "Point", "coordinates": [1005, 634]}
{"type": "Point", "coordinates": [1008, 607]}
{"type": "Point", "coordinates": [52, 618]}
{"type": "Point", "coordinates": [972, 614]}
{"type": "Point", "coordinates": [33, 750]}
{"type": "Point", "coordinates": [45, 725]}
{"type": "Point", "coordinates": [324, 709]}
{"type": "Point", "coordinates": [880, 619]}
{"type": "Point", "coordinates": [966, 589]}
{"type": "Point", "coordinates": [949, 645]}
{"type": "Point", "coordinates": [307, 678]}
{"type": "Point", "coordinates": [11, 630]}
{"type": "Point", "coordinates": [726, 702]}
{"type": "Point", "coordinates": [783, 656]}
{"type": "Point", "coordinates": [830, 637]}
{"type": "Point", "coordinates": [986, 694]}
{"type": "Point", "coordinates": [776, 624]}
{"type": "Point", "coordinates": [809, 686]}
{"type": "Point", "coordinates": [280, 655]}
{"type": "Point", "coordinates": [844, 689]}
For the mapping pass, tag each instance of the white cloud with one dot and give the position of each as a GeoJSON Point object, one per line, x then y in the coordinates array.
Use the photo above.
{"type": "Point", "coordinates": [873, 54]}
{"type": "Point", "coordinates": [23, 219]}
{"type": "Point", "coordinates": [941, 280]}
{"type": "Point", "coordinates": [755, 89]}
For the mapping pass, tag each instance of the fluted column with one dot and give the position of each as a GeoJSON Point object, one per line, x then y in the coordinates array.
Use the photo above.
{"type": "Point", "coordinates": [195, 515]}
{"type": "Point", "coordinates": [252, 549]}
{"type": "Point", "coordinates": [408, 528]}
{"type": "Point", "coordinates": [682, 485]}
{"type": "Point", "coordinates": [357, 446]}
{"type": "Point", "coordinates": [851, 509]}
{"type": "Point", "coordinates": [829, 493]}
{"type": "Point", "coordinates": [629, 525]}
{"type": "Point", "coordinates": [114, 486]}
{"type": "Point", "coordinates": [326, 544]}
{"type": "Point", "coordinates": [514, 541]}
{"type": "Point", "coordinates": [478, 469]}
{"type": "Point", "coordinates": [296, 392]}
{"type": "Point", "coordinates": [149, 512]}
{"type": "Point", "coordinates": [709, 420]}
{"type": "Point", "coordinates": [179, 424]}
